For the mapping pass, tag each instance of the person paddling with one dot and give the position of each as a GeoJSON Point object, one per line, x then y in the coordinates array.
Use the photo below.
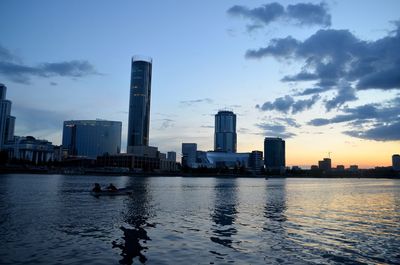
{"type": "Point", "coordinates": [111, 187]}
{"type": "Point", "coordinates": [97, 187]}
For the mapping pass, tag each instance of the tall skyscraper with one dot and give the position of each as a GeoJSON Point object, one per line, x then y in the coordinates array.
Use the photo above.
{"type": "Point", "coordinates": [225, 132]}
{"type": "Point", "coordinates": [274, 153]}
{"type": "Point", "coordinates": [7, 121]}
{"type": "Point", "coordinates": [92, 138]}
{"type": "Point", "coordinates": [396, 162]}
{"type": "Point", "coordinates": [139, 102]}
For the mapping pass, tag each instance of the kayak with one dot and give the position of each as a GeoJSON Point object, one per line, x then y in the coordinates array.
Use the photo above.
{"type": "Point", "coordinates": [112, 193]}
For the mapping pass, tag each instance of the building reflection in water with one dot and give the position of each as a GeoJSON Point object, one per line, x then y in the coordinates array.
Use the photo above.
{"type": "Point", "coordinates": [224, 211]}
{"type": "Point", "coordinates": [275, 206]}
{"type": "Point", "coordinates": [136, 216]}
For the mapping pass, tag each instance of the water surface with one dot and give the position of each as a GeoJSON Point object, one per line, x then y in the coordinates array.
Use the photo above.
{"type": "Point", "coordinates": [53, 219]}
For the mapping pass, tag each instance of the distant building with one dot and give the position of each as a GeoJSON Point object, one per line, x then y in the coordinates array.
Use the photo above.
{"type": "Point", "coordinates": [229, 160]}
{"type": "Point", "coordinates": [144, 151]}
{"type": "Point", "coordinates": [340, 168]}
{"type": "Point", "coordinates": [225, 132]}
{"type": "Point", "coordinates": [142, 159]}
{"type": "Point", "coordinates": [171, 156]}
{"type": "Point", "coordinates": [396, 162]}
{"type": "Point", "coordinates": [7, 122]}
{"type": "Point", "coordinates": [256, 161]}
{"type": "Point", "coordinates": [189, 154]}
{"type": "Point", "coordinates": [314, 167]}
{"type": "Point", "coordinates": [325, 164]}
{"type": "Point", "coordinates": [274, 153]}
{"type": "Point", "coordinates": [92, 138]}
{"type": "Point", "coordinates": [30, 149]}
{"type": "Point", "coordinates": [139, 102]}
{"type": "Point", "coordinates": [353, 168]}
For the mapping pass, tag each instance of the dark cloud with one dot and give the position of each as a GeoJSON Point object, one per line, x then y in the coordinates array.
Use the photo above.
{"type": "Point", "coordinates": [53, 84]}
{"type": "Point", "coordinates": [165, 123]}
{"type": "Point", "coordinates": [345, 94]}
{"type": "Point", "coordinates": [287, 103]}
{"type": "Point", "coordinates": [275, 130]}
{"type": "Point", "coordinates": [301, 14]}
{"type": "Point", "coordinates": [12, 68]}
{"type": "Point", "coordinates": [207, 126]}
{"type": "Point", "coordinates": [312, 91]}
{"type": "Point", "coordinates": [278, 127]}
{"type": "Point", "coordinates": [196, 101]}
{"type": "Point", "coordinates": [289, 121]}
{"type": "Point", "coordinates": [334, 56]}
{"type": "Point", "coordinates": [371, 121]}
{"type": "Point", "coordinates": [309, 14]}
{"type": "Point", "coordinates": [381, 132]}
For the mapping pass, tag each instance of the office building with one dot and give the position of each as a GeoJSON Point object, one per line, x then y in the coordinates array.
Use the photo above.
{"type": "Point", "coordinates": [7, 122]}
{"type": "Point", "coordinates": [227, 160]}
{"type": "Point", "coordinates": [225, 132]}
{"type": "Point", "coordinates": [92, 138]}
{"type": "Point", "coordinates": [396, 162]}
{"type": "Point", "coordinates": [274, 153]}
{"type": "Point", "coordinates": [325, 164]}
{"type": "Point", "coordinates": [171, 156]}
{"type": "Point", "coordinates": [139, 102]}
{"type": "Point", "coordinates": [189, 151]}
{"type": "Point", "coordinates": [30, 149]}
{"type": "Point", "coordinates": [256, 161]}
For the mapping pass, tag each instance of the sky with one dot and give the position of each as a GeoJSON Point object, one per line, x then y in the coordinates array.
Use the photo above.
{"type": "Point", "coordinates": [325, 76]}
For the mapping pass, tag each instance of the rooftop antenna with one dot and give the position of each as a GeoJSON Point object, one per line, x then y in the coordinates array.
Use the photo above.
{"type": "Point", "coordinates": [329, 154]}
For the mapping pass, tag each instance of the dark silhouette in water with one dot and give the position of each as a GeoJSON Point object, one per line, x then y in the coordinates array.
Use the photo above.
{"type": "Point", "coordinates": [132, 247]}
{"type": "Point", "coordinates": [224, 212]}
{"type": "Point", "coordinates": [136, 216]}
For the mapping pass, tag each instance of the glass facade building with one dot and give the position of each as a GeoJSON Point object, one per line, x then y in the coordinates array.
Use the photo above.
{"type": "Point", "coordinates": [225, 132]}
{"type": "Point", "coordinates": [92, 138]}
{"type": "Point", "coordinates": [7, 122]}
{"type": "Point", "coordinates": [139, 102]}
{"type": "Point", "coordinates": [274, 153]}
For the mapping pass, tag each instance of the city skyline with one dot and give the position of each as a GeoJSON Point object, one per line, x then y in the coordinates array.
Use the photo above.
{"type": "Point", "coordinates": [44, 83]}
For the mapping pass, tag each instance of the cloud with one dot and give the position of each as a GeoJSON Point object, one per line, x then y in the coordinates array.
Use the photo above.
{"type": "Point", "coordinates": [287, 103]}
{"type": "Point", "coordinates": [166, 123]}
{"type": "Point", "coordinates": [383, 132]}
{"type": "Point", "coordinates": [299, 14]}
{"type": "Point", "coordinates": [12, 68]}
{"type": "Point", "coordinates": [312, 91]}
{"type": "Point", "coordinates": [333, 56]}
{"type": "Point", "coordinates": [196, 101]}
{"type": "Point", "coordinates": [274, 130]}
{"type": "Point", "coordinates": [371, 121]}
{"type": "Point", "coordinates": [345, 94]}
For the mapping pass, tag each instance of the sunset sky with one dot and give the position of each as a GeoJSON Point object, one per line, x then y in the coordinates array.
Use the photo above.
{"type": "Point", "coordinates": [325, 76]}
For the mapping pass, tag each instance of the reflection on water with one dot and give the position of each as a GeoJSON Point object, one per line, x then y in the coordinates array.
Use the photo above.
{"type": "Point", "coordinates": [48, 219]}
{"type": "Point", "coordinates": [136, 216]}
{"type": "Point", "coordinates": [224, 211]}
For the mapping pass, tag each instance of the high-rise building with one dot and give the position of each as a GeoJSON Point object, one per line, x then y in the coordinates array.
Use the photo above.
{"type": "Point", "coordinates": [325, 164]}
{"type": "Point", "coordinates": [171, 156]}
{"type": "Point", "coordinates": [274, 153]}
{"type": "Point", "coordinates": [139, 102]}
{"type": "Point", "coordinates": [396, 162]}
{"type": "Point", "coordinates": [7, 122]}
{"type": "Point", "coordinates": [225, 132]}
{"type": "Point", "coordinates": [92, 138]}
{"type": "Point", "coordinates": [189, 151]}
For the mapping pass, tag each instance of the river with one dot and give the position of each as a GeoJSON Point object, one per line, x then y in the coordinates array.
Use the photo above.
{"type": "Point", "coordinates": [53, 219]}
